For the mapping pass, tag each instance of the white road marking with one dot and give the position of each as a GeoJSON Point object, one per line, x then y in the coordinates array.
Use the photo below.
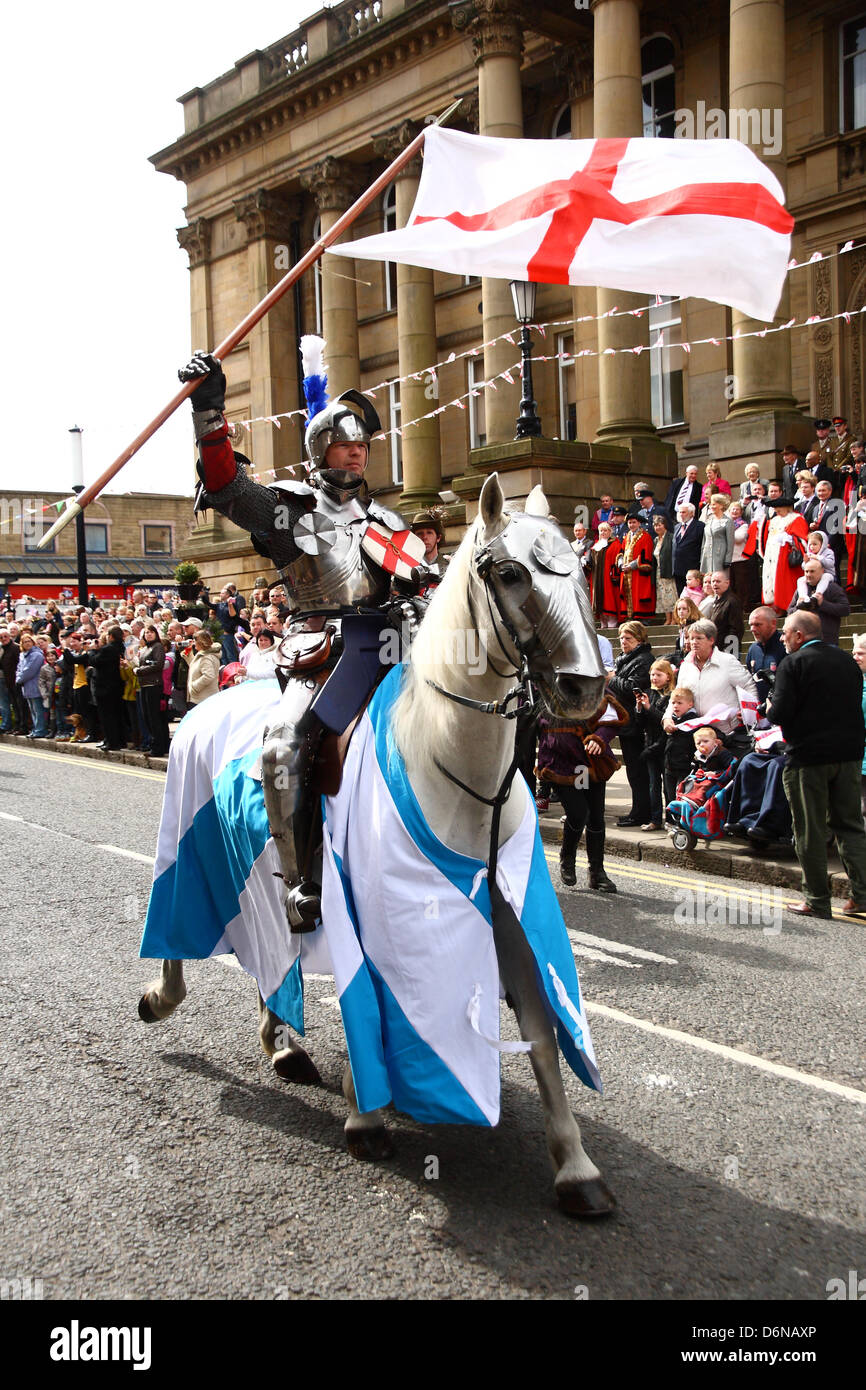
{"type": "Point", "coordinates": [619, 947]}
{"type": "Point", "coordinates": [128, 853]}
{"type": "Point", "coordinates": [4, 815]}
{"type": "Point", "coordinates": [71, 760]}
{"type": "Point", "coordinates": [590, 953]}
{"type": "Point", "coordinates": [733, 1054]}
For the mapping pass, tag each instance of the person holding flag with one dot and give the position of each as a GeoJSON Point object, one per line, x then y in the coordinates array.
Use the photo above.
{"type": "Point", "coordinates": [337, 552]}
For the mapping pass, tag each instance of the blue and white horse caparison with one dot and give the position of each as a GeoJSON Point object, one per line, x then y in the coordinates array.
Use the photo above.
{"type": "Point", "coordinates": [420, 943]}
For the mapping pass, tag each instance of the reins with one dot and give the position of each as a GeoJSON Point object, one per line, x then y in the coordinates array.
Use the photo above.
{"type": "Point", "coordinates": [499, 708]}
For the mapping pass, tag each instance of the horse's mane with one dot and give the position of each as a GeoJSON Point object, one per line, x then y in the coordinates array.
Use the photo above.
{"type": "Point", "coordinates": [425, 724]}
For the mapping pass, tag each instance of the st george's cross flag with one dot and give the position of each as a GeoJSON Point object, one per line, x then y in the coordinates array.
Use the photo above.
{"type": "Point", "coordinates": [675, 217]}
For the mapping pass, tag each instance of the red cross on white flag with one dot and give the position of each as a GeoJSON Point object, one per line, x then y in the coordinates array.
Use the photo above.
{"type": "Point", "coordinates": [679, 217]}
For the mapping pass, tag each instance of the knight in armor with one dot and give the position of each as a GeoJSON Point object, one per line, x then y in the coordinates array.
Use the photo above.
{"type": "Point", "coordinates": [351, 571]}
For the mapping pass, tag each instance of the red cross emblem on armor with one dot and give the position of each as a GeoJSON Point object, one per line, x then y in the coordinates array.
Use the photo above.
{"type": "Point", "coordinates": [396, 552]}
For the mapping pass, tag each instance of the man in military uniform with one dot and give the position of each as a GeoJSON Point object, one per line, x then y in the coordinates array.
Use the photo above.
{"type": "Point", "coordinates": [823, 444]}
{"type": "Point", "coordinates": [338, 554]}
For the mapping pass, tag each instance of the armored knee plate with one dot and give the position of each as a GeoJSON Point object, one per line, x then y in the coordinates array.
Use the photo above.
{"type": "Point", "coordinates": [288, 753]}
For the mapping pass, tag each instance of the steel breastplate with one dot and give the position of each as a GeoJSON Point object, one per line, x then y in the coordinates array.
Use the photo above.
{"type": "Point", "coordinates": [332, 573]}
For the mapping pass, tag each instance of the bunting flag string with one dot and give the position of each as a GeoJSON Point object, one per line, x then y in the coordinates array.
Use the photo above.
{"type": "Point", "coordinates": [507, 374]}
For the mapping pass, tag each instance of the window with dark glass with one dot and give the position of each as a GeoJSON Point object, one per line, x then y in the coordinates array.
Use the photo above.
{"type": "Point", "coordinates": [389, 224]}
{"type": "Point", "coordinates": [666, 372]}
{"type": "Point", "coordinates": [853, 75]}
{"type": "Point", "coordinates": [659, 103]}
{"type": "Point", "coordinates": [95, 538]}
{"type": "Point", "coordinates": [157, 540]}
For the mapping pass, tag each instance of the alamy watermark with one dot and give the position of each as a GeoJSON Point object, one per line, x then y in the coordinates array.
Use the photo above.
{"type": "Point", "coordinates": [760, 127]}
{"type": "Point", "coordinates": [703, 907]}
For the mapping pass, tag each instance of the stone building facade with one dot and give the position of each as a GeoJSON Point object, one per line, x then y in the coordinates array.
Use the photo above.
{"type": "Point", "coordinates": [132, 540]}
{"type": "Point", "coordinates": [276, 149]}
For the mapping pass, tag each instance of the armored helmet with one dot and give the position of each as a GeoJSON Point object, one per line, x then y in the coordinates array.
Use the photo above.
{"type": "Point", "coordinates": [339, 424]}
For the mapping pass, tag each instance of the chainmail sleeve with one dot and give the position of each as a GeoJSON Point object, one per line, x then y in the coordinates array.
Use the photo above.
{"type": "Point", "coordinates": [269, 516]}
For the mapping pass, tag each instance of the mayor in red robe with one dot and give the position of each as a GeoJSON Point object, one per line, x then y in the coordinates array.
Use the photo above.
{"type": "Point", "coordinates": [636, 572]}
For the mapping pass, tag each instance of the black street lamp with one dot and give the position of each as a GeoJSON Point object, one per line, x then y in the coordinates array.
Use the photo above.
{"type": "Point", "coordinates": [523, 293]}
{"type": "Point", "coordinates": [80, 533]}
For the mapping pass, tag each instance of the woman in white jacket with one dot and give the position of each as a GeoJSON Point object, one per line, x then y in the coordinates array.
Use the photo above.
{"type": "Point", "coordinates": [204, 670]}
{"type": "Point", "coordinates": [263, 662]}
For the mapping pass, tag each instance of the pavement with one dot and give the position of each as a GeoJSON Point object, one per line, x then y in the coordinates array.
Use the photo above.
{"type": "Point", "coordinates": [725, 858]}
{"type": "Point", "coordinates": [169, 1162]}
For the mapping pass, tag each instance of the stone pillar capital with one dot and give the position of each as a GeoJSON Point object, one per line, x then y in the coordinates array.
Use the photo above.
{"type": "Point", "coordinates": [195, 241]}
{"type": "Point", "coordinates": [573, 67]}
{"type": "Point", "coordinates": [494, 26]}
{"type": "Point", "coordinates": [466, 117]}
{"type": "Point", "coordinates": [394, 140]}
{"type": "Point", "coordinates": [266, 213]}
{"type": "Point", "coordinates": [334, 183]}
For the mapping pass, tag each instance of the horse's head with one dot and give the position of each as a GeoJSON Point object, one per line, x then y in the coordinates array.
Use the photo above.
{"type": "Point", "coordinates": [540, 602]}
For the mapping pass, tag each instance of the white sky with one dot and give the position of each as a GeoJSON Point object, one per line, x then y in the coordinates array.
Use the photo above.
{"type": "Point", "coordinates": [95, 299]}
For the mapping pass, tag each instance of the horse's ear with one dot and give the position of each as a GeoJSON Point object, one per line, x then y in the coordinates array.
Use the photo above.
{"type": "Point", "coordinates": [536, 503]}
{"type": "Point", "coordinates": [491, 504]}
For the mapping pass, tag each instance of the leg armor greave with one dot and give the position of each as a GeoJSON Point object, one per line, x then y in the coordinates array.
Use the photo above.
{"type": "Point", "coordinates": [288, 754]}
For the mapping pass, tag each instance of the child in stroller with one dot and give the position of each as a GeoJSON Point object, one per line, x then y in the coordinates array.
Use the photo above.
{"type": "Point", "coordinates": [698, 811]}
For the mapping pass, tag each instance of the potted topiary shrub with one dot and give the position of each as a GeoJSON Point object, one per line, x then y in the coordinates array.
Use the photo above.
{"type": "Point", "coordinates": [187, 577]}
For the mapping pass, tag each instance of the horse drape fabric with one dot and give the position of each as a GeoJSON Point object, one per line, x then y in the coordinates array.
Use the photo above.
{"type": "Point", "coordinates": [407, 922]}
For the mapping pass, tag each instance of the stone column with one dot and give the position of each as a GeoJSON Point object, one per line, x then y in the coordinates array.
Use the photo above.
{"type": "Point", "coordinates": [335, 184]}
{"type": "Point", "coordinates": [762, 366]}
{"type": "Point", "coordinates": [762, 416]}
{"type": "Point", "coordinates": [195, 240]}
{"type": "Point", "coordinates": [273, 343]}
{"type": "Point", "coordinates": [416, 338]}
{"type": "Point", "coordinates": [624, 379]}
{"type": "Point", "coordinates": [496, 30]}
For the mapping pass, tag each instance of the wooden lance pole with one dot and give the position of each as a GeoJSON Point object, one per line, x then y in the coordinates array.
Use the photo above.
{"type": "Point", "coordinates": [75, 505]}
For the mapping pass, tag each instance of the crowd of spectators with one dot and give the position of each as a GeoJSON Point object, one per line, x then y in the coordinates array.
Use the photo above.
{"type": "Point", "coordinates": [759, 533]}
{"type": "Point", "coordinates": [118, 673]}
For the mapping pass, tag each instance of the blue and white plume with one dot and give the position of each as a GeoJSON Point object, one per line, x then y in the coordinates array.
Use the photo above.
{"type": "Point", "coordinates": [315, 373]}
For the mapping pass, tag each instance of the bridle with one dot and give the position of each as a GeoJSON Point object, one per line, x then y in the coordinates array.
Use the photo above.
{"type": "Point", "coordinates": [483, 561]}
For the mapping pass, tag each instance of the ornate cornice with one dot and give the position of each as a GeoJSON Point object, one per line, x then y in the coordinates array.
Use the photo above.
{"type": "Point", "coordinates": [394, 140]}
{"type": "Point", "coordinates": [494, 26]}
{"type": "Point", "coordinates": [195, 241]}
{"type": "Point", "coordinates": [292, 94]}
{"type": "Point", "coordinates": [267, 214]}
{"type": "Point", "coordinates": [334, 183]}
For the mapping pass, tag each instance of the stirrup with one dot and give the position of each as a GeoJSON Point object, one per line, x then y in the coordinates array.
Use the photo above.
{"type": "Point", "coordinates": [303, 907]}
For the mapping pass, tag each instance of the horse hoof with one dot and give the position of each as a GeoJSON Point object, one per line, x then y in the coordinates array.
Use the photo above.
{"type": "Point", "coordinates": [296, 1065]}
{"type": "Point", "coordinates": [586, 1199]}
{"type": "Point", "coordinates": [370, 1144]}
{"type": "Point", "coordinates": [145, 1011]}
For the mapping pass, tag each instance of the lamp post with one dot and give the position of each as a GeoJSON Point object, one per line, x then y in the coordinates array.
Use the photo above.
{"type": "Point", "coordinates": [80, 535]}
{"type": "Point", "coordinates": [523, 293]}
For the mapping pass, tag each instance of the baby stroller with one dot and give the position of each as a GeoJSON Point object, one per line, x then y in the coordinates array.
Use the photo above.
{"type": "Point", "coordinates": [699, 811]}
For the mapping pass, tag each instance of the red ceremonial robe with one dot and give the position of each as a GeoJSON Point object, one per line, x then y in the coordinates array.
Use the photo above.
{"type": "Point", "coordinates": [636, 586]}
{"type": "Point", "coordinates": [785, 579]}
{"type": "Point", "coordinates": [604, 580]}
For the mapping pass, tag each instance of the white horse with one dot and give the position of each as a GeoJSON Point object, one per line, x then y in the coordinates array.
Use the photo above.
{"type": "Point", "coordinates": [512, 592]}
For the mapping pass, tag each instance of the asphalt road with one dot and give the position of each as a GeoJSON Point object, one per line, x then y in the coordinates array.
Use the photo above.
{"type": "Point", "coordinates": [168, 1162]}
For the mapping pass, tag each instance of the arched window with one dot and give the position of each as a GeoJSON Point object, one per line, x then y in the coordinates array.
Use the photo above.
{"type": "Point", "coordinates": [389, 224]}
{"type": "Point", "coordinates": [561, 126]}
{"type": "Point", "coordinates": [657, 69]}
